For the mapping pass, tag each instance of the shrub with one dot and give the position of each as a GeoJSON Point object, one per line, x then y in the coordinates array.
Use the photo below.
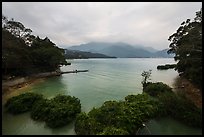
{"type": "Point", "coordinates": [57, 112]}
{"type": "Point", "coordinates": [123, 117]}
{"type": "Point", "coordinates": [40, 110]}
{"type": "Point", "coordinates": [22, 103]}
{"type": "Point", "coordinates": [86, 125]}
{"type": "Point", "coordinates": [181, 109]}
{"type": "Point", "coordinates": [154, 89]}
{"type": "Point", "coordinates": [113, 131]}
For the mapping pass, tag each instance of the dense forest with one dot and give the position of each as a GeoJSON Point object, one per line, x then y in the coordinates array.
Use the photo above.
{"type": "Point", "coordinates": [186, 43]}
{"type": "Point", "coordinates": [24, 54]}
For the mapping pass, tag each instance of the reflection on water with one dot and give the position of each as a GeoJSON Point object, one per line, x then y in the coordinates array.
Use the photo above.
{"type": "Point", "coordinates": [107, 79]}
{"type": "Point", "coordinates": [168, 126]}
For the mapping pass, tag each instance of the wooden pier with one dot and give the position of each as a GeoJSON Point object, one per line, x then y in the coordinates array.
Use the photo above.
{"type": "Point", "coordinates": [74, 71]}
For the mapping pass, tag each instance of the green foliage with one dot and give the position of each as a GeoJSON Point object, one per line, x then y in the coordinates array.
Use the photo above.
{"type": "Point", "coordinates": [40, 110]}
{"type": "Point", "coordinates": [17, 29]}
{"type": "Point", "coordinates": [24, 54]}
{"type": "Point", "coordinates": [113, 131]}
{"type": "Point", "coordinates": [15, 55]}
{"type": "Point", "coordinates": [46, 56]}
{"type": "Point", "coordinates": [126, 117]}
{"type": "Point", "coordinates": [186, 43]}
{"type": "Point", "coordinates": [154, 89]}
{"type": "Point", "coordinates": [146, 76]}
{"type": "Point", "coordinates": [166, 66]}
{"type": "Point", "coordinates": [86, 125]}
{"type": "Point", "coordinates": [123, 117]}
{"type": "Point", "coordinates": [181, 109]}
{"type": "Point", "coordinates": [81, 124]}
{"type": "Point", "coordinates": [57, 112]}
{"type": "Point", "coordinates": [22, 103]}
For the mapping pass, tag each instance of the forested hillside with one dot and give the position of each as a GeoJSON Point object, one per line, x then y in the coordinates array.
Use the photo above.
{"type": "Point", "coordinates": [24, 54]}
{"type": "Point", "coordinates": [186, 43]}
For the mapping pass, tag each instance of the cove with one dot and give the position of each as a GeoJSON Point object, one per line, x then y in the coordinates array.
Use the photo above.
{"type": "Point", "coordinates": [107, 79]}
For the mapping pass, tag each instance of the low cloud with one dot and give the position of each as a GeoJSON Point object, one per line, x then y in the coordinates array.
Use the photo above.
{"type": "Point", "coordinates": [71, 23]}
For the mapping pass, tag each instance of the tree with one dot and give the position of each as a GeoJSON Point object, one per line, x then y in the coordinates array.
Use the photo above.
{"type": "Point", "coordinates": [146, 76]}
{"type": "Point", "coordinates": [15, 55]}
{"type": "Point", "coordinates": [17, 29]}
{"type": "Point", "coordinates": [46, 55]}
{"type": "Point", "coordinates": [186, 43]}
{"type": "Point", "coordinates": [24, 54]}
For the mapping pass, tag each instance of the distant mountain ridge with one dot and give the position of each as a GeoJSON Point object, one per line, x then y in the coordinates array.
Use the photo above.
{"type": "Point", "coordinates": [75, 54]}
{"type": "Point", "coordinates": [122, 50]}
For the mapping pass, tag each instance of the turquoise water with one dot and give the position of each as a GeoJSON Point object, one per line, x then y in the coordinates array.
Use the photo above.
{"type": "Point", "coordinates": [107, 79]}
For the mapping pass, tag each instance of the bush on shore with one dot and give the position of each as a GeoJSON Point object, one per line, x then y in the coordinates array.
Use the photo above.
{"type": "Point", "coordinates": [181, 109]}
{"type": "Point", "coordinates": [154, 89]}
{"type": "Point", "coordinates": [176, 106]}
{"type": "Point", "coordinates": [124, 117]}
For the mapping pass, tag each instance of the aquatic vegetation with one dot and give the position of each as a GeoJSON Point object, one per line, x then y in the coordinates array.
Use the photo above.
{"type": "Point", "coordinates": [174, 105]}
{"type": "Point", "coordinates": [154, 89]}
{"type": "Point", "coordinates": [181, 109]}
{"type": "Point", "coordinates": [22, 103]}
{"type": "Point", "coordinates": [62, 110]}
{"type": "Point", "coordinates": [124, 117]}
{"type": "Point", "coordinates": [56, 112]}
{"type": "Point", "coordinates": [113, 131]}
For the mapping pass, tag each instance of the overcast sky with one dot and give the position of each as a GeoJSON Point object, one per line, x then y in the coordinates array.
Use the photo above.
{"type": "Point", "coordinates": [71, 23]}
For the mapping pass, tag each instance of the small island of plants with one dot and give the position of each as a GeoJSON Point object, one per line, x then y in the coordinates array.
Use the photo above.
{"type": "Point", "coordinates": [56, 112]}
{"type": "Point", "coordinates": [166, 66]}
{"type": "Point", "coordinates": [128, 116]}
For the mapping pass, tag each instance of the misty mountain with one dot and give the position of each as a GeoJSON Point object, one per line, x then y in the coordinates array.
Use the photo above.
{"type": "Point", "coordinates": [120, 49]}
{"type": "Point", "coordinates": [75, 54]}
{"type": "Point", "coordinates": [163, 53]}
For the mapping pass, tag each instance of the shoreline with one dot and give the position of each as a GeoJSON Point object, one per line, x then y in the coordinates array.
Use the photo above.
{"type": "Point", "coordinates": [187, 89]}
{"type": "Point", "coordinates": [12, 91]}
{"type": "Point", "coordinates": [18, 82]}
{"type": "Point", "coordinates": [16, 86]}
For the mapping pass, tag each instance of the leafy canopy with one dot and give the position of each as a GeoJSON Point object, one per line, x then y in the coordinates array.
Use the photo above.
{"type": "Point", "coordinates": [186, 43]}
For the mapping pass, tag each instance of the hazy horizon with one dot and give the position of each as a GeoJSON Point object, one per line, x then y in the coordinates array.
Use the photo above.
{"type": "Point", "coordinates": [148, 24]}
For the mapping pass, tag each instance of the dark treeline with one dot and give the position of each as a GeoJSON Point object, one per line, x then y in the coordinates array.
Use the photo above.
{"type": "Point", "coordinates": [166, 66]}
{"type": "Point", "coordinates": [24, 54]}
{"type": "Point", "coordinates": [186, 43]}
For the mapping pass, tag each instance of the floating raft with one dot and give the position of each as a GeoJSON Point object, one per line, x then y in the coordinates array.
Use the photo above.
{"type": "Point", "coordinates": [74, 71]}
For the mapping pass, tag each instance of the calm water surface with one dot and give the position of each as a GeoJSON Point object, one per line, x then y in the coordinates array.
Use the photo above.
{"type": "Point", "coordinates": [107, 79]}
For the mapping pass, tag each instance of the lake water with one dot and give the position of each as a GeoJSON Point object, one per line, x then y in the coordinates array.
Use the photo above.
{"type": "Point", "coordinates": [107, 79]}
